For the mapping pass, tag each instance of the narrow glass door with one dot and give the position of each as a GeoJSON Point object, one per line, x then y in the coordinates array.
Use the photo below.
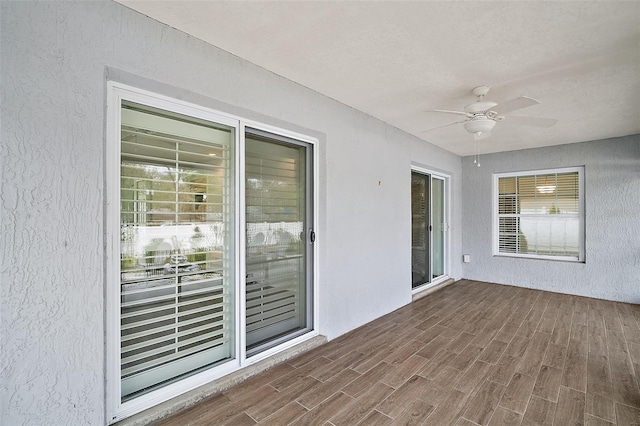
{"type": "Point", "coordinates": [278, 244]}
{"type": "Point", "coordinates": [420, 222]}
{"type": "Point", "coordinates": [427, 228]}
{"type": "Point", "coordinates": [437, 225]}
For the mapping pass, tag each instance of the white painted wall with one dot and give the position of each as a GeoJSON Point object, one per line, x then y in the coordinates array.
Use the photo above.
{"type": "Point", "coordinates": [612, 199]}
{"type": "Point", "coordinates": [55, 60]}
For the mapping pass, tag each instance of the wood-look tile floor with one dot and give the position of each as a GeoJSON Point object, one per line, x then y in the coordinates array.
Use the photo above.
{"type": "Point", "coordinates": [471, 354]}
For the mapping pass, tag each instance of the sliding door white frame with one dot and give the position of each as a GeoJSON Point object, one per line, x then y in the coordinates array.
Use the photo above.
{"type": "Point", "coordinates": [116, 92]}
{"type": "Point", "coordinates": [446, 227]}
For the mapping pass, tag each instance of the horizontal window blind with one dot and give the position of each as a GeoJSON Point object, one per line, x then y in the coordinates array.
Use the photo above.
{"type": "Point", "coordinates": [176, 271]}
{"type": "Point", "coordinates": [540, 214]}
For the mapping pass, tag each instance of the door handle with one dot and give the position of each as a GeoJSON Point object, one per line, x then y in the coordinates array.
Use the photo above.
{"type": "Point", "coordinates": [312, 236]}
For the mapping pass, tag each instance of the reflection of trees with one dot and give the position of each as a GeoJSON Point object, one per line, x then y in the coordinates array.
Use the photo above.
{"type": "Point", "coordinates": [209, 240]}
{"type": "Point", "coordinates": [276, 200]}
{"type": "Point", "coordinates": [189, 200]}
{"type": "Point", "coordinates": [554, 210]}
{"type": "Point", "coordinates": [170, 194]}
{"type": "Point", "coordinates": [128, 235]}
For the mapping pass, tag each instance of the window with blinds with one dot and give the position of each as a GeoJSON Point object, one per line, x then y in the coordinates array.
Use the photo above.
{"type": "Point", "coordinates": [176, 247]}
{"type": "Point", "coordinates": [540, 214]}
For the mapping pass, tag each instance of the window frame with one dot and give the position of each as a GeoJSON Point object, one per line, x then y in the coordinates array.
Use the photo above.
{"type": "Point", "coordinates": [116, 92]}
{"type": "Point", "coordinates": [581, 214]}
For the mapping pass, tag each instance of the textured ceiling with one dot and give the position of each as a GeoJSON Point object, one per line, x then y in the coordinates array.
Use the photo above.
{"type": "Point", "coordinates": [398, 60]}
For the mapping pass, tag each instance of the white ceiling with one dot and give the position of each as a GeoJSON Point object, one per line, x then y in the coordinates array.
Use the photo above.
{"type": "Point", "coordinates": [398, 60]}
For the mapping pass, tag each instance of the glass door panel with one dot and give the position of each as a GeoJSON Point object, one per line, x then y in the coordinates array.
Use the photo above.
{"type": "Point", "coordinates": [177, 279]}
{"type": "Point", "coordinates": [437, 221]}
{"type": "Point", "coordinates": [420, 245]}
{"type": "Point", "coordinates": [278, 215]}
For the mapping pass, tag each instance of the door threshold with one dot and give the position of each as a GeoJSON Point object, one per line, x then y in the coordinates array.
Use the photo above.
{"type": "Point", "coordinates": [425, 291]}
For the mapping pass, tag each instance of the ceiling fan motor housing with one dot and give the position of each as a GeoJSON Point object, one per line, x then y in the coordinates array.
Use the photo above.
{"type": "Point", "coordinates": [479, 107]}
{"type": "Point", "coordinates": [479, 120]}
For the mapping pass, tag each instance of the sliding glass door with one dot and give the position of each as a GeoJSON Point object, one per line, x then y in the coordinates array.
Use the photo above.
{"type": "Point", "coordinates": [278, 241]}
{"type": "Point", "coordinates": [187, 301]}
{"type": "Point", "coordinates": [428, 228]}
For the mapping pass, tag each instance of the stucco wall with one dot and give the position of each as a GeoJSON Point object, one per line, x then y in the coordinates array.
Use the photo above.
{"type": "Point", "coordinates": [612, 207]}
{"type": "Point", "coordinates": [55, 58]}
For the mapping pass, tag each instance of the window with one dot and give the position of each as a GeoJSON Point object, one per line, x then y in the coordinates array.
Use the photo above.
{"type": "Point", "coordinates": [209, 261]}
{"type": "Point", "coordinates": [540, 214]}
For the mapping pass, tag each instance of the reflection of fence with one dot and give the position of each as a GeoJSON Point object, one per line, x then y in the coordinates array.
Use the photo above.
{"type": "Point", "coordinates": [139, 240]}
{"type": "Point", "coordinates": [192, 237]}
{"type": "Point", "coordinates": [273, 232]}
{"type": "Point", "coordinates": [149, 251]}
{"type": "Point", "coordinates": [551, 235]}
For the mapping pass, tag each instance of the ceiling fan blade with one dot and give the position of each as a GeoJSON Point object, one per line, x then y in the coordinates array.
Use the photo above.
{"type": "Point", "coordinates": [446, 111]}
{"type": "Point", "coordinates": [444, 125]}
{"type": "Point", "coordinates": [514, 104]}
{"type": "Point", "coordinates": [478, 136]}
{"type": "Point", "coordinates": [531, 121]}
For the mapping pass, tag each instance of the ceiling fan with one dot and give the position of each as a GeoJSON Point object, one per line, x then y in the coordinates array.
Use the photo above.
{"type": "Point", "coordinates": [482, 116]}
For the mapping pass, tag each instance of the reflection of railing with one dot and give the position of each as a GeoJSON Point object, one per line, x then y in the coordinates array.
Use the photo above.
{"type": "Point", "coordinates": [273, 296]}
{"type": "Point", "coordinates": [167, 318]}
{"type": "Point", "coordinates": [156, 263]}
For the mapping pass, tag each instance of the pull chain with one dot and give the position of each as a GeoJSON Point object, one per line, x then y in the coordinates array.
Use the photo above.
{"type": "Point", "coordinates": [476, 160]}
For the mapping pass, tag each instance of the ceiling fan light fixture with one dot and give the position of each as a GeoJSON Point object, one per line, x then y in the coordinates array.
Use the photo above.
{"type": "Point", "coordinates": [481, 135]}
{"type": "Point", "coordinates": [480, 124]}
{"type": "Point", "coordinates": [546, 189]}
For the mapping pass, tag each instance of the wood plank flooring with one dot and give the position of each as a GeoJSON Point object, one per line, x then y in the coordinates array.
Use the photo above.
{"type": "Point", "coordinates": [471, 354]}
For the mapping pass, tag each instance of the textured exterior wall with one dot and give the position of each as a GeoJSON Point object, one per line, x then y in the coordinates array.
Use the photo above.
{"type": "Point", "coordinates": [612, 206]}
{"type": "Point", "coordinates": [55, 59]}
